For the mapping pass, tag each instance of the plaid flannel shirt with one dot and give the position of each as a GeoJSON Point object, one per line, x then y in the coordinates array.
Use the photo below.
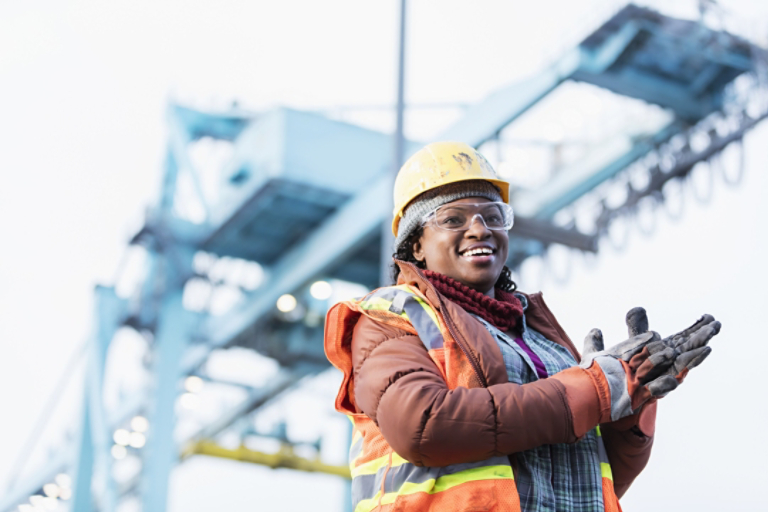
{"type": "Point", "coordinates": [556, 477]}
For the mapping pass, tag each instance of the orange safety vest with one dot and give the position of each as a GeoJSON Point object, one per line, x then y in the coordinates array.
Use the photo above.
{"type": "Point", "coordinates": [382, 479]}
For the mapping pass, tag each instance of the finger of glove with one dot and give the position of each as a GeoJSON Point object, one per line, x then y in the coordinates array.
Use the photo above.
{"type": "Point", "coordinates": [662, 386]}
{"type": "Point", "coordinates": [699, 338]}
{"type": "Point", "coordinates": [692, 359]}
{"type": "Point", "coordinates": [637, 321]}
{"type": "Point", "coordinates": [676, 338]}
{"type": "Point", "coordinates": [628, 348]}
{"type": "Point", "coordinates": [593, 342]}
{"type": "Point", "coordinates": [654, 365]}
{"type": "Point", "coordinates": [658, 346]}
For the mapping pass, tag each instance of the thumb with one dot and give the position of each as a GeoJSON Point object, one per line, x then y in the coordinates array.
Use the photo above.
{"type": "Point", "coordinates": [592, 343]}
{"type": "Point", "coordinates": [637, 321]}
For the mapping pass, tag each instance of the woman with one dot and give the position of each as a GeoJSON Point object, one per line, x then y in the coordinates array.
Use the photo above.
{"type": "Point", "coordinates": [467, 395]}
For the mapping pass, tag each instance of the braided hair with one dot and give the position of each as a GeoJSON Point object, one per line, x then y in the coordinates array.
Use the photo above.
{"type": "Point", "coordinates": [404, 252]}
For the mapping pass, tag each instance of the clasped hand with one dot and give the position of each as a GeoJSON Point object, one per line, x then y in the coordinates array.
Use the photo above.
{"type": "Point", "coordinates": [646, 366]}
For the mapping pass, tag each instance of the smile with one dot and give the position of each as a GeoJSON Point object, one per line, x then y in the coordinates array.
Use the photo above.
{"type": "Point", "coordinates": [478, 251]}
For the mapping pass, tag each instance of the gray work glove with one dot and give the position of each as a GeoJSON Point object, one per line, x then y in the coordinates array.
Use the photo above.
{"type": "Point", "coordinates": [646, 366]}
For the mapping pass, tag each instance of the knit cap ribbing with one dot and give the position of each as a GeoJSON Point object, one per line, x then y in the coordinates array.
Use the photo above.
{"type": "Point", "coordinates": [431, 199]}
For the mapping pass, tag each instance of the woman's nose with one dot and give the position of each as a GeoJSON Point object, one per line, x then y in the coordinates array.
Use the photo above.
{"type": "Point", "coordinates": [477, 227]}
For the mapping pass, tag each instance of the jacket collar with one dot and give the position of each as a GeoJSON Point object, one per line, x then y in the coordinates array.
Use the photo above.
{"type": "Point", "coordinates": [537, 314]}
{"type": "Point", "coordinates": [412, 275]}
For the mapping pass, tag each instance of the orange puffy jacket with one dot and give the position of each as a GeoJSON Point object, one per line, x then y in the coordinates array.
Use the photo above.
{"type": "Point", "coordinates": [434, 415]}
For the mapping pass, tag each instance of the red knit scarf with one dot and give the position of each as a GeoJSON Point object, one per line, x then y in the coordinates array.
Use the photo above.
{"type": "Point", "coordinates": [504, 311]}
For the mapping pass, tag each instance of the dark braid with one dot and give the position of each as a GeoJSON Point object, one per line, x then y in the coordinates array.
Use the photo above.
{"type": "Point", "coordinates": [505, 281]}
{"type": "Point", "coordinates": [405, 253]}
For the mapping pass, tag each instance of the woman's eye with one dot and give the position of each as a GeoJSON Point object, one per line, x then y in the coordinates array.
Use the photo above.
{"type": "Point", "coordinates": [451, 220]}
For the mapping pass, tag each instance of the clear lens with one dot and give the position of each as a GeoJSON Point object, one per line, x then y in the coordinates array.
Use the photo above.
{"type": "Point", "coordinates": [460, 216]}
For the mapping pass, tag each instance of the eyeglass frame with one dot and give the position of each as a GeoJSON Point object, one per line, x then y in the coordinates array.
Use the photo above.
{"type": "Point", "coordinates": [431, 215]}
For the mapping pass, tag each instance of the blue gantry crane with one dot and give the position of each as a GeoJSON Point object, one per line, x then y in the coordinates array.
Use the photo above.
{"type": "Point", "coordinates": [301, 197]}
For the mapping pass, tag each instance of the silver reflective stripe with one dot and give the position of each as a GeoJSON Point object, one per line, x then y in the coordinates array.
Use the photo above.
{"type": "Point", "coordinates": [401, 300]}
{"type": "Point", "coordinates": [398, 303]}
{"type": "Point", "coordinates": [365, 487]}
{"type": "Point", "coordinates": [601, 453]}
{"type": "Point", "coordinates": [355, 450]}
{"type": "Point", "coordinates": [428, 330]}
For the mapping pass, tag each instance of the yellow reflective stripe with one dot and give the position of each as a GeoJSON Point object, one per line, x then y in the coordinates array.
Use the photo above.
{"type": "Point", "coordinates": [373, 466]}
{"type": "Point", "coordinates": [433, 486]}
{"type": "Point", "coordinates": [370, 467]}
{"type": "Point", "coordinates": [369, 504]}
{"type": "Point", "coordinates": [397, 460]}
{"type": "Point", "coordinates": [446, 482]}
{"type": "Point", "coordinates": [377, 303]}
{"type": "Point", "coordinates": [605, 466]}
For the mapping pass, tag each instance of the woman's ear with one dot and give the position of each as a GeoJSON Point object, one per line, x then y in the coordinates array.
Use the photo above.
{"type": "Point", "coordinates": [418, 251]}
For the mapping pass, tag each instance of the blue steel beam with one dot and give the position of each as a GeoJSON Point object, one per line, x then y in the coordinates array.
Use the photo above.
{"type": "Point", "coordinates": [82, 499]}
{"type": "Point", "coordinates": [638, 85]}
{"type": "Point", "coordinates": [169, 263]}
{"type": "Point", "coordinates": [179, 141]}
{"type": "Point", "coordinates": [160, 453]}
{"type": "Point", "coordinates": [599, 59]}
{"type": "Point", "coordinates": [615, 57]}
{"type": "Point", "coordinates": [483, 121]}
{"type": "Point", "coordinates": [573, 182]}
{"type": "Point", "coordinates": [220, 125]}
{"type": "Point", "coordinates": [168, 184]}
{"type": "Point", "coordinates": [704, 79]}
{"type": "Point", "coordinates": [95, 438]}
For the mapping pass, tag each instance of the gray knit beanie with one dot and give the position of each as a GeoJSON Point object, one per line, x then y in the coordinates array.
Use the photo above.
{"type": "Point", "coordinates": [431, 199]}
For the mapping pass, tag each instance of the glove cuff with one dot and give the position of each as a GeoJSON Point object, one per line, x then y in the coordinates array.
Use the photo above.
{"type": "Point", "coordinates": [588, 395]}
{"type": "Point", "coordinates": [644, 420]}
{"type": "Point", "coordinates": [617, 374]}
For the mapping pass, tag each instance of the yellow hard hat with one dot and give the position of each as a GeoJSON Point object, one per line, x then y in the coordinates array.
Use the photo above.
{"type": "Point", "coordinates": [438, 164]}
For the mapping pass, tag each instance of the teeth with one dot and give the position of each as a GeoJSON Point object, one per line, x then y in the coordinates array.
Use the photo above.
{"type": "Point", "coordinates": [475, 252]}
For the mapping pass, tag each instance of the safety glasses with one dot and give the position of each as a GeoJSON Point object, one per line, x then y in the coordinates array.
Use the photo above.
{"type": "Point", "coordinates": [461, 216]}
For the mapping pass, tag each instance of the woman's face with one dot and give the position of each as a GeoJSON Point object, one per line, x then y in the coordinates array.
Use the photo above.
{"type": "Point", "coordinates": [445, 252]}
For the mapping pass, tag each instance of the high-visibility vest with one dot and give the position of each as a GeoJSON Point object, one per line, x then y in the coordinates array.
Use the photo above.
{"type": "Point", "coordinates": [382, 478]}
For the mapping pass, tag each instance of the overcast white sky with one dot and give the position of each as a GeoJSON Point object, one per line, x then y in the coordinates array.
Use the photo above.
{"type": "Point", "coordinates": [84, 88]}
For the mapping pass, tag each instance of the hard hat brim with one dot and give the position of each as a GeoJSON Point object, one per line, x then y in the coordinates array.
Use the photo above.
{"type": "Point", "coordinates": [502, 185]}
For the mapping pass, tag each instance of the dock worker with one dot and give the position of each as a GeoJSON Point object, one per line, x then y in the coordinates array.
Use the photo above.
{"type": "Point", "coordinates": [466, 394]}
